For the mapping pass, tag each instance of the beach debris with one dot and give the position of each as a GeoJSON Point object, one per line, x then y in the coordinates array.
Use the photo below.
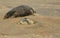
{"type": "Point", "coordinates": [26, 21]}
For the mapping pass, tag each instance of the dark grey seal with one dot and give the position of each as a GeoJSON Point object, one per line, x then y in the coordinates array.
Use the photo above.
{"type": "Point", "coordinates": [20, 11]}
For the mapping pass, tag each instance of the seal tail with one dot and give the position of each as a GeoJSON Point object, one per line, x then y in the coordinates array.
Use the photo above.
{"type": "Point", "coordinates": [9, 14]}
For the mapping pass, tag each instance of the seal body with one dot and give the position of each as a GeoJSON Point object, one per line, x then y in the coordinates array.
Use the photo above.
{"type": "Point", "coordinates": [20, 11]}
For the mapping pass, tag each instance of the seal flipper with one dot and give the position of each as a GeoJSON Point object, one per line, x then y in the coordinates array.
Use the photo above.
{"type": "Point", "coordinates": [9, 14]}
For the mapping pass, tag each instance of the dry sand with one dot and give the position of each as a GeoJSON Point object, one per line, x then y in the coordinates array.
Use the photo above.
{"type": "Point", "coordinates": [48, 20]}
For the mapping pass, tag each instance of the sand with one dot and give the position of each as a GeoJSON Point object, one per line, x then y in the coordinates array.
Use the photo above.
{"type": "Point", "coordinates": [47, 22]}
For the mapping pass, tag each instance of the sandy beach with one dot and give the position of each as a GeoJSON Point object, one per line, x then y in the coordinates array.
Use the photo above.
{"type": "Point", "coordinates": [48, 19]}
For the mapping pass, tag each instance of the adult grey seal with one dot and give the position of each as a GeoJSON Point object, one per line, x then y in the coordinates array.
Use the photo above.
{"type": "Point", "coordinates": [20, 11]}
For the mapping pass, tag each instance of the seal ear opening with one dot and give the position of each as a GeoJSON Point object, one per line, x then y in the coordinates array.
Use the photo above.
{"type": "Point", "coordinates": [9, 14]}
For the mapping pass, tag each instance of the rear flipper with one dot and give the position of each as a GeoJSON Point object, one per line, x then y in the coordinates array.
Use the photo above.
{"type": "Point", "coordinates": [9, 14]}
